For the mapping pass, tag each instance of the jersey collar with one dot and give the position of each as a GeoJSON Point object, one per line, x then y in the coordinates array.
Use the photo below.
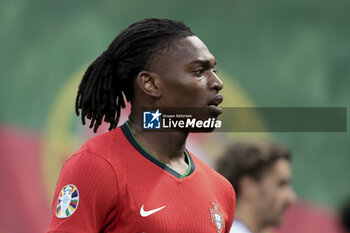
{"type": "Point", "coordinates": [130, 137]}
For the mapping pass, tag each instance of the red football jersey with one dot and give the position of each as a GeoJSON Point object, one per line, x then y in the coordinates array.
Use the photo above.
{"type": "Point", "coordinates": [111, 184]}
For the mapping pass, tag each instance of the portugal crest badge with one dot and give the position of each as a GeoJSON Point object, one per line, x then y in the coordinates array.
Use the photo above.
{"type": "Point", "coordinates": [67, 202]}
{"type": "Point", "coordinates": [217, 217]}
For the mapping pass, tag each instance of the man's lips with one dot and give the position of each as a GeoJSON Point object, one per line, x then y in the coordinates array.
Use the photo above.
{"type": "Point", "coordinates": [213, 104]}
{"type": "Point", "coordinates": [216, 100]}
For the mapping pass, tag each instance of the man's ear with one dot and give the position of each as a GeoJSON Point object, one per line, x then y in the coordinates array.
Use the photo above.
{"type": "Point", "coordinates": [148, 83]}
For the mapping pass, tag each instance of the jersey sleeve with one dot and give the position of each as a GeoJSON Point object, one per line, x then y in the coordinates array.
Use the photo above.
{"type": "Point", "coordinates": [86, 195]}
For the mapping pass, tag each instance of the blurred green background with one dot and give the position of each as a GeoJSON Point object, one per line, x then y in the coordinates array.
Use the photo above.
{"type": "Point", "coordinates": [281, 54]}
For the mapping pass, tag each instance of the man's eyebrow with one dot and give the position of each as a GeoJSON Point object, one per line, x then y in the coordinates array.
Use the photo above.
{"type": "Point", "coordinates": [203, 62]}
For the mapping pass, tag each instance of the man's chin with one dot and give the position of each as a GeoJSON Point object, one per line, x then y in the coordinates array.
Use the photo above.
{"type": "Point", "coordinates": [275, 222]}
{"type": "Point", "coordinates": [215, 110]}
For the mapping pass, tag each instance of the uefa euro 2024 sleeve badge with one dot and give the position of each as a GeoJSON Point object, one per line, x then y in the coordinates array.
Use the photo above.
{"type": "Point", "coordinates": [217, 217]}
{"type": "Point", "coordinates": [68, 200]}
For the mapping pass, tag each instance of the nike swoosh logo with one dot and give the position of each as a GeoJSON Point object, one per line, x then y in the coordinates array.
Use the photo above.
{"type": "Point", "coordinates": [144, 213]}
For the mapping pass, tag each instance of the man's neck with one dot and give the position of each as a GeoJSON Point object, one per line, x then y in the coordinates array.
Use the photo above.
{"type": "Point", "coordinates": [246, 214]}
{"type": "Point", "coordinates": [168, 147]}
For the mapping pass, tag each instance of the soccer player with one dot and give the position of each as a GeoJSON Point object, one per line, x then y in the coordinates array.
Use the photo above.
{"type": "Point", "coordinates": [129, 180]}
{"type": "Point", "coordinates": [260, 173]}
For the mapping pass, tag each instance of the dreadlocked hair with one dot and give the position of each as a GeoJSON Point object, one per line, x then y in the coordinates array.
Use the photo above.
{"type": "Point", "coordinates": [107, 82]}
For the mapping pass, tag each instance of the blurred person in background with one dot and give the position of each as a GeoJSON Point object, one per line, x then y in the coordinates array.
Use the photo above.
{"type": "Point", "coordinates": [260, 174]}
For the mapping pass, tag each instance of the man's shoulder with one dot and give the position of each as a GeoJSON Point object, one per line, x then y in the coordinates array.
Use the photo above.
{"type": "Point", "coordinates": [211, 174]}
{"type": "Point", "coordinates": [107, 143]}
{"type": "Point", "coordinates": [104, 147]}
{"type": "Point", "coordinates": [208, 170]}
{"type": "Point", "coordinates": [103, 141]}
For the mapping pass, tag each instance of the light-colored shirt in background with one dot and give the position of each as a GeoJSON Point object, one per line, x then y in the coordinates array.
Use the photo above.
{"type": "Point", "coordinates": [239, 227]}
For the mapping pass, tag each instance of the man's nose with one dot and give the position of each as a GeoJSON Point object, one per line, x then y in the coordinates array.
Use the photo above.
{"type": "Point", "coordinates": [215, 82]}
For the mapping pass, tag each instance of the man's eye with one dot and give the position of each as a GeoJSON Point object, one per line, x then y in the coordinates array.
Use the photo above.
{"type": "Point", "coordinates": [199, 72]}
